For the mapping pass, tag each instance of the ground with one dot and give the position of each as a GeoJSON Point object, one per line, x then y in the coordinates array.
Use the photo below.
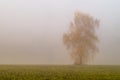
{"type": "Point", "coordinates": [59, 72]}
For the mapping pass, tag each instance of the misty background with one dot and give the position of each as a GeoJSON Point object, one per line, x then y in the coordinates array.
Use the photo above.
{"type": "Point", "coordinates": [31, 31]}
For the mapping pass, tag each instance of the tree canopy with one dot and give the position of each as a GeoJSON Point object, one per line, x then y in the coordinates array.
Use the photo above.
{"type": "Point", "coordinates": [81, 38]}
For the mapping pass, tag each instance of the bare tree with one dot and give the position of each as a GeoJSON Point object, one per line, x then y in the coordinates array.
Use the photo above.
{"type": "Point", "coordinates": [81, 39]}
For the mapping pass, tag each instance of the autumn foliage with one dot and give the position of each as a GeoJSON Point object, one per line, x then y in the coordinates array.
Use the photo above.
{"type": "Point", "coordinates": [81, 38]}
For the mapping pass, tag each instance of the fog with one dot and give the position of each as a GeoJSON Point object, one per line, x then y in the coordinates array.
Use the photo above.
{"type": "Point", "coordinates": [31, 31]}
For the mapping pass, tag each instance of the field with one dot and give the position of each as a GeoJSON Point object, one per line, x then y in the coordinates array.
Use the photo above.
{"type": "Point", "coordinates": [66, 72]}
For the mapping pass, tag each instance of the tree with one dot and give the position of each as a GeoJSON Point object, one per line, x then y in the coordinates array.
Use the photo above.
{"type": "Point", "coordinates": [81, 38]}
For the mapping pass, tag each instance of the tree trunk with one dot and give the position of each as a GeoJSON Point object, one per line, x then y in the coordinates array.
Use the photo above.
{"type": "Point", "coordinates": [79, 61]}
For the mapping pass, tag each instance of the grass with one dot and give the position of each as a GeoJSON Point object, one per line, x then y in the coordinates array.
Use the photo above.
{"type": "Point", "coordinates": [66, 72]}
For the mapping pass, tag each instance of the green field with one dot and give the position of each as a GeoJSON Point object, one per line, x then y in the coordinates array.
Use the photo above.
{"type": "Point", "coordinates": [66, 72]}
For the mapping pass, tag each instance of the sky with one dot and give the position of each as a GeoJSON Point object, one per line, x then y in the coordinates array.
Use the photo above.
{"type": "Point", "coordinates": [31, 31]}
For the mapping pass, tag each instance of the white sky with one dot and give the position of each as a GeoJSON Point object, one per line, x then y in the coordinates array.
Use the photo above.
{"type": "Point", "coordinates": [31, 30]}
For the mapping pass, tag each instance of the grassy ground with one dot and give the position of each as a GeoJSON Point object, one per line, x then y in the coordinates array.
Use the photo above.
{"type": "Point", "coordinates": [67, 72]}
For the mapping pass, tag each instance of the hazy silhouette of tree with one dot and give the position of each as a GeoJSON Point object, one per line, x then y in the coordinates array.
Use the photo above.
{"type": "Point", "coordinates": [81, 38]}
